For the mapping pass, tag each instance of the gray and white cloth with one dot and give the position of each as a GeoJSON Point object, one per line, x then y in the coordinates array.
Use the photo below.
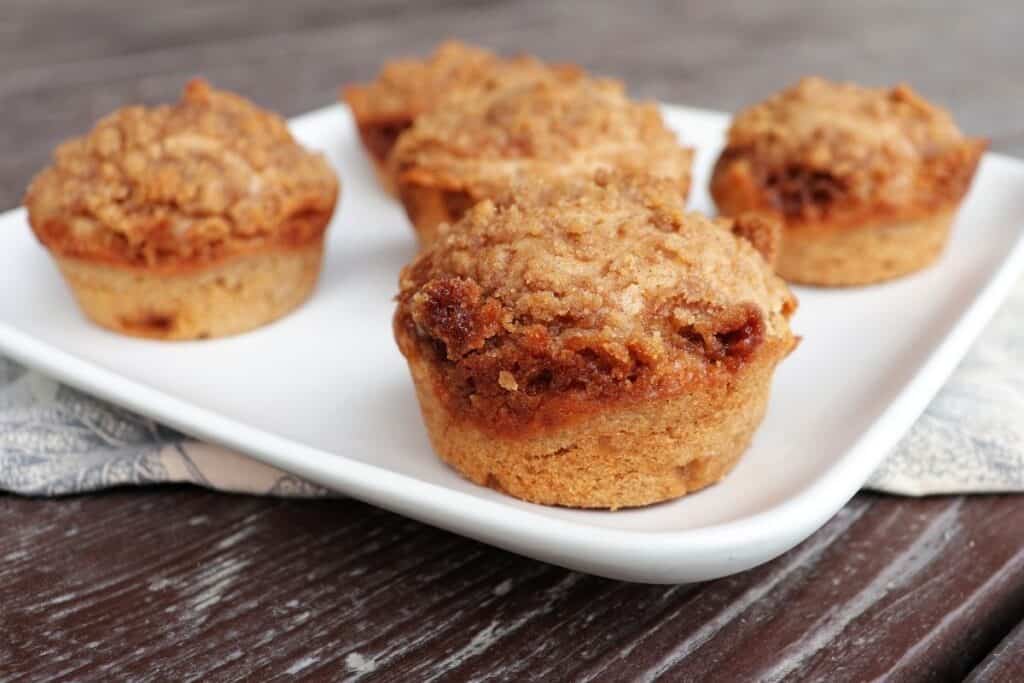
{"type": "Point", "coordinates": [55, 440]}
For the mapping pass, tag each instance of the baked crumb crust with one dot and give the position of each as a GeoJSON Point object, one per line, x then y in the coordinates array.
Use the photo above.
{"type": "Point", "coordinates": [179, 186]}
{"type": "Point", "coordinates": [838, 155]}
{"type": "Point", "coordinates": [406, 88]}
{"type": "Point", "coordinates": [572, 296]}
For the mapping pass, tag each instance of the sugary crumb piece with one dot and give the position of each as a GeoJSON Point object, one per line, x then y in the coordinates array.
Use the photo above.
{"type": "Point", "coordinates": [507, 380]}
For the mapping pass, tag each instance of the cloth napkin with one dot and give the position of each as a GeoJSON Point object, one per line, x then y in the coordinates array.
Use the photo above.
{"type": "Point", "coordinates": [55, 440]}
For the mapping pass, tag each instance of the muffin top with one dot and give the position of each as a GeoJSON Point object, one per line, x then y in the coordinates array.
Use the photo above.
{"type": "Point", "coordinates": [588, 290]}
{"type": "Point", "coordinates": [824, 151]}
{"type": "Point", "coordinates": [479, 141]}
{"type": "Point", "coordinates": [407, 87]}
{"type": "Point", "coordinates": [189, 183]}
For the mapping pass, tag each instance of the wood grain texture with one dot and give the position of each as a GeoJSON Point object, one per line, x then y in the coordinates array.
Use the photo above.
{"type": "Point", "coordinates": [176, 583]}
{"type": "Point", "coordinates": [1005, 663]}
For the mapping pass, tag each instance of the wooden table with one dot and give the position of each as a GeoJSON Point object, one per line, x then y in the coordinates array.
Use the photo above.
{"type": "Point", "coordinates": [177, 583]}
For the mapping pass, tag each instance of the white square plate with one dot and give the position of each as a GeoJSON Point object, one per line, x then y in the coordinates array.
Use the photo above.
{"type": "Point", "coordinates": [325, 394]}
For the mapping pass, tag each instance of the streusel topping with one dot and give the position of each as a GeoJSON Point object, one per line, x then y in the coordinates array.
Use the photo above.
{"type": "Point", "coordinates": [477, 140]}
{"type": "Point", "coordinates": [819, 147]}
{"type": "Point", "coordinates": [406, 87]}
{"type": "Point", "coordinates": [597, 289]}
{"type": "Point", "coordinates": [189, 182]}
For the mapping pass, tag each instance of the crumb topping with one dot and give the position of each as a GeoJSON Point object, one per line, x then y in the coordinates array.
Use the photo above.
{"type": "Point", "coordinates": [592, 290]}
{"type": "Point", "coordinates": [478, 142]}
{"type": "Point", "coordinates": [819, 150]}
{"type": "Point", "coordinates": [407, 87]}
{"type": "Point", "coordinates": [190, 182]}
{"type": "Point", "coordinates": [763, 231]}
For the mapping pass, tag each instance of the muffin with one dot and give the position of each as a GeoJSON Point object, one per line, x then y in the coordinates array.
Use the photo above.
{"type": "Point", "coordinates": [591, 344]}
{"type": "Point", "coordinates": [406, 88]}
{"type": "Point", "coordinates": [200, 219]}
{"type": "Point", "coordinates": [867, 181]}
{"type": "Point", "coordinates": [476, 145]}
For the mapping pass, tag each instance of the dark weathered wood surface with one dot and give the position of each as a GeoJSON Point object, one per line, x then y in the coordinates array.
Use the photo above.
{"type": "Point", "coordinates": [181, 584]}
{"type": "Point", "coordinates": [1005, 663]}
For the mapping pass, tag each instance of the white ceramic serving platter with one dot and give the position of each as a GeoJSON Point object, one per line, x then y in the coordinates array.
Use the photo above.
{"type": "Point", "coordinates": [325, 394]}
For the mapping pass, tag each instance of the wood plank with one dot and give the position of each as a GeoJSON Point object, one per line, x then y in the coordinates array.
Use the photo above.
{"type": "Point", "coordinates": [1005, 663]}
{"type": "Point", "coordinates": [181, 583]}
{"type": "Point", "coordinates": [899, 585]}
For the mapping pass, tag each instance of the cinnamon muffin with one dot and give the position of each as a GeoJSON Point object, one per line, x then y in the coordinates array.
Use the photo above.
{"type": "Point", "coordinates": [406, 88]}
{"type": "Point", "coordinates": [591, 344]}
{"type": "Point", "coordinates": [476, 144]}
{"type": "Point", "coordinates": [867, 181]}
{"type": "Point", "coordinates": [199, 219]}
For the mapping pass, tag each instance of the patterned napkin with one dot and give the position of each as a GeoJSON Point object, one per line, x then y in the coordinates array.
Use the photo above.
{"type": "Point", "coordinates": [55, 440]}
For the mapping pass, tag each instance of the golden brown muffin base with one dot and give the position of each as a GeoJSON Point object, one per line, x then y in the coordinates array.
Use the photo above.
{"type": "Point", "coordinates": [429, 207]}
{"type": "Point", "coordinates": [622, 455]}
{"type": "Point", "coordinates": [848, 256]}
{"type": "Point", "coordinates": [384, 177]}
{"type": "Point", "coordinates": [378, 138]}
{"type": "Point", "coordinates": [226, 298]}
